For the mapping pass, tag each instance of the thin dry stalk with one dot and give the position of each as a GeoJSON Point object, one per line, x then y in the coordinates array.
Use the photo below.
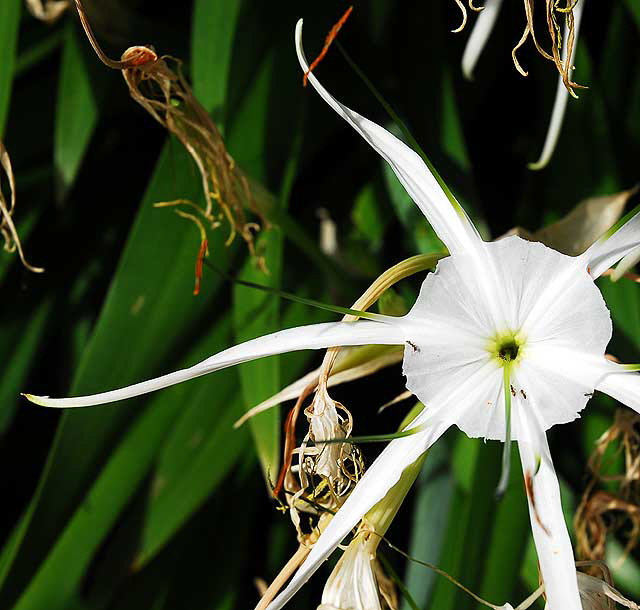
{"type": "Point", "coordinates": [7, 227]}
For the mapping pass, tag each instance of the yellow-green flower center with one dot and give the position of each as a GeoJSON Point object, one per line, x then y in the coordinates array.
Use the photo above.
{"type": "Point", "coordinates": [506, 347]}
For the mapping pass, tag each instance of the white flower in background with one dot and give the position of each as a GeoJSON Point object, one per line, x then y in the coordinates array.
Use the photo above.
{"type": "Point", "coordinates": [505, 340]}
{"type": "Point", "coordinates": [479, 35]}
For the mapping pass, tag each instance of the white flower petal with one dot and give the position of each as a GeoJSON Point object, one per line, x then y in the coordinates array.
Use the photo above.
{"type": "Point", "coordinates": [479, 35]}
{"type": "Point", "coordinates": [352, 584]}
{"type": "Point", "coordinates": [624, 386]}
{"type": "Point", "coordinates": [452, 225]}
{"type": "Point", "coordinates": [383, 474]}
{"type": "Point", "coordinates": [558, 381]}
{"type": "Point", "coordinates": [628, 262]}
{"type": "Point", "coordinates": [562, 96]}
{"type": "Point", "coordinates": [555, 554]}
{"type": "Point", "coordinates": [609, 249]}
{"type": "Point", "coordinates": [316, 336]}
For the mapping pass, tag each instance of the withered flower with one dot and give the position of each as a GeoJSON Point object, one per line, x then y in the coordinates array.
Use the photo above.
{"type": "Point", "coordinates": [158, 85]}
{"type": "Point", "coordinates": [603, 513]}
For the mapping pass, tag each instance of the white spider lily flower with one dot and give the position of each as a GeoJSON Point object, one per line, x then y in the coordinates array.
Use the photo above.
{"type": "Point", "coordinates": [478, 38]}
{"type": "Point", "coordinates": [508, 315]}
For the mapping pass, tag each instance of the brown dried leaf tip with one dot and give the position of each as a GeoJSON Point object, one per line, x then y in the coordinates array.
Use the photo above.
{"type": "Point", "coordinates": [7, 228]}
{"type": "Point", "coordinates": [556, 11]}
{"type": "Point", "coordinates": [157, 84]}
{"type": "Point", "coordinates": [48, 11]}
{"type": "Point", "coordinates": [616, 509]}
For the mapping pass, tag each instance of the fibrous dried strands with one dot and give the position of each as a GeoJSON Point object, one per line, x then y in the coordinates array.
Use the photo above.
{"type": "Point", "coordinates": [616, 510]}
{"type": "Point", "coordinates": [556, 11]}
{"type": "Point", "coordinates": [463, 10]}
{"type": "Point", "coordinates": [48, 10]}
{"type": "Point", "coordinates": [7, 227]}
{"type": "Point", "coordinates": [157, 84]}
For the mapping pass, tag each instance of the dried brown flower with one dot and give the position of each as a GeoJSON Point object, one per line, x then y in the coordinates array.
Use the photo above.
{"type": "Point", "coordinates": [601, 512]}
{"type": "Point", "coordinates": [157, 84]}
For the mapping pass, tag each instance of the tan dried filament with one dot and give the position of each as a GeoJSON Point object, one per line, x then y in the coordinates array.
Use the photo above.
{"type": "Point", "coordinates": [7, 227]}
{"type": "Point", "coordinates": [157, 84]}
{"type": "Point", "coordinates": [553, 10]}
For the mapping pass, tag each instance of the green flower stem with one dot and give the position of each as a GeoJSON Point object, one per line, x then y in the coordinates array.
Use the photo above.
{"type": "Point", "coordinates": [506, 453]}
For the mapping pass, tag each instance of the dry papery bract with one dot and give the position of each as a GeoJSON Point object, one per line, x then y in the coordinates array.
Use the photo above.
{"type": "Point", "coordinates": [7, 227]}
{"type": "Point", "coordinates": [557, 12]}
{"type": "Point", "coordinates": [603, 513]}
{"type": "Point", "coordinates": [157, 84]}
{"type": "Point", "coordinates": [582, 225]}
{"type": "Point", "coordinates": [48, 11]}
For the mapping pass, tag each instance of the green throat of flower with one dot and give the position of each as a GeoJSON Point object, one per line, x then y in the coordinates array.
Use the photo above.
{"type": "Point", "coordinates": [506, 348]}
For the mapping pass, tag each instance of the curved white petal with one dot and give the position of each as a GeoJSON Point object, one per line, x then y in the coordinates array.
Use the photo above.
{"type": "Point", "coordinates": [624, 386]}
{"type": "Point", "coordinates": [352, 584]}
{"type": "Point", "coordinates": [558, 383]}
{"type": "Point", "coordinates": [315, 336]}
{"type": "Point", "coordinates": [610, 248]}
{"type": "Point", "coordinates": [479, 35]}
{"type": "Point", "coordinates": [452, 225]}
{"type": "Point", "coordinates": [630, 260]}
{"type": "Point", "coordinates": [562, 96]}
{"type": "Point", "coordinates": [383, 474]}
{"type": "Point", "coordinates": [553, 545]}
